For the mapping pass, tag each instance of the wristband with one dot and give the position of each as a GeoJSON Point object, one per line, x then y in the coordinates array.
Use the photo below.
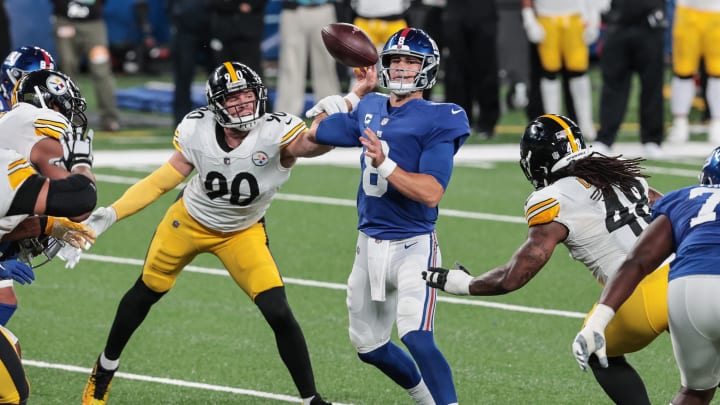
{"type": "Point", "coordinates": [601, 316]}
{"type": "Point", "coordinates": [353, 99]}
{"type": "Point", "coordinates": [386, 167]}
{"type": "Point", "coordinates": [46, 224]}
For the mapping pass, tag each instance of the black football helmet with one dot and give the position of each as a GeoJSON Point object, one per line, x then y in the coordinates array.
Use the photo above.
{"type": "Point", "coordinates": [550, 143]}
{"type": "Point", "coordinates": [410, 42]}
{"type": "Point", "coordinates": [229, 78]}
{"type": "Point", "coordinates": [54, 90]}
{"type": "Point", "coordinates": [710, 173]}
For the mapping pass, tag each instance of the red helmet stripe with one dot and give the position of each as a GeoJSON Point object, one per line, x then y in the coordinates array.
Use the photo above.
{"type": "Point", "coordinates": [401, 38]}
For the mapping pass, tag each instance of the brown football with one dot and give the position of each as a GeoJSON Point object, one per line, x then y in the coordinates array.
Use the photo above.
{"type": "Point", "coordinates": [349, 45]}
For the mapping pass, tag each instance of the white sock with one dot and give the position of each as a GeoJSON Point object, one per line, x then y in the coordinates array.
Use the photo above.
{"type": "Point", "coordinates": [421, 394]}
{"type": "Point", "coordinates": [682, 95]}
{"type": "Point", "coordinates": [550, 92]}
{"type": "Point", "coordinates": [712, 93]}
{"type": "Point", "coordinates": [582, 100]}
{"type": "Point", "coordinates": [108, 364]}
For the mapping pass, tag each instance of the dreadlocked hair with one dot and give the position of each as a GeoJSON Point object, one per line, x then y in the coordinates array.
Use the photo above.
{"type": "Point", "coordinates": [604, 172]}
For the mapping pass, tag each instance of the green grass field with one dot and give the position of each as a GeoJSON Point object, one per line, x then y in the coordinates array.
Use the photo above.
{"type": "Point", "coordinates": [205, 342]}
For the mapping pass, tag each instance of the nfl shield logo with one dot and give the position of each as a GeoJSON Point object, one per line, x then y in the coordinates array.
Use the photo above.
{"type": "Point", "coordinates": [226, 160]}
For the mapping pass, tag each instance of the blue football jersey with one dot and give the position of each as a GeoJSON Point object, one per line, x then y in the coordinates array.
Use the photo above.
{"type": "Point", "coordinates": [420, 136]}
{"type": "Point", "coordinates": [693, 213]}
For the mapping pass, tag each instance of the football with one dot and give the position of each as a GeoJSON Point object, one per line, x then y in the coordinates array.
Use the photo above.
{"type": "Point", "coordinates": [349, 45]}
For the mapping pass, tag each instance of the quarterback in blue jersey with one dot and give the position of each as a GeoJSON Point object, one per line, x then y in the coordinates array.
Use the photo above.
{"type": "Point", "coordinates": [406, 163]}
{"type": "Point", "coordinates": [686, 223]}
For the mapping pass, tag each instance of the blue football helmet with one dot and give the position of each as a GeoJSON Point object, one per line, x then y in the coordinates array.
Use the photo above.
{"type": "Point", "coordinates": [229, 78]}
{"type": "Point", "coordinates": [20, 61]}
{"type": "Point", "coordinates": [54, 90]}
{"type": "Point", "coordinates": [410, 42]}
{"type": "Point", "coordinates": [710, 173]}
{"type": "Point", "coordinates": [550, 143]}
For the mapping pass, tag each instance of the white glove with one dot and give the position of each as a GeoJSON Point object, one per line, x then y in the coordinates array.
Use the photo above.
{"type": "Point", "coordinates": [591, 339]}
{"type": "Point", "coordinates": [455, 281]}
{"type": "Point", "coordinates": [101, 219]}
{"type": "Point", "coordinates": [70, 255]}
{"type": "Point", "coordinates": [592, 29]}
{"type": "Point", "coordinates": [77, 235]}
{"type": "Point", "coordinates": [330, 105]}
{"type": "Point", "coordinates": [77, 150]}
{"type": "Point", "coordinates": [535, 32]}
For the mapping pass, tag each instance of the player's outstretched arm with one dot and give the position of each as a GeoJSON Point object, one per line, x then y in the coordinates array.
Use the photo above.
{"type": "Point", "coordinates": [525, 263]}
{"type": "Point", "coordinates": [146, 191]}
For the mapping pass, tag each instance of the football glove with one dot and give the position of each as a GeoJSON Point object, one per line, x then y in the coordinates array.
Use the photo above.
{"type": "Point", "coordinates": [77, 150]}
{"type": "Point", "coordinates": [535, 32]}
{"type": "Point", "coordinates": [591, 339]}
{"type": "Point", "coordinates": [101, 219]}
{"type": "Point", "coordinates": [455, 281]}
{"type": "Point", "coordinates": [71, 256]}
{"type": "Point", "coordinates": [592, 28]}
{"type": "Point", "coordinates": [75, 234]}
{"type": "Point", "coordinates": [16, 270]}
{"type": "Point", "coordinates": [330, 105]}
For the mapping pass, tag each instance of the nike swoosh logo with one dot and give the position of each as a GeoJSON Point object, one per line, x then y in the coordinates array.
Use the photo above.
{"type": "Point", "coordinates": [409, 245]}
{"type": "Point", "coordinates": [456, 111]}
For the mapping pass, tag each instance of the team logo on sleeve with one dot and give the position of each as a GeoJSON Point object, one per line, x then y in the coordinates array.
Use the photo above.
{"type": "Point", "coordinates": [384, 121]}
{"type": "Point", "coordinates": [260, 158]}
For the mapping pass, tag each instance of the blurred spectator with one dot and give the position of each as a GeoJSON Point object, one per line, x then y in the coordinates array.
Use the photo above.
{"type": "Point", "coordinates": [380, 18]}
{"type": "Point", "coordinates": [634, 42]}
{"type": "Point", "coordinates": [5, 42]}
{"type": "Point", "coordinates": [190, 45]}
{"type": "Point", "coordinates": [300, 40]}
{"type": "Point", "coordinates": [563, 32]}
{"type": "Point", "coordinates": [236, 30]}
{"type": "Point", "coordinates": [694, 33]}
{"type": "Point", "coordinates": [80, 33]}
{"type": "Point", "coordinates": [427, 15]}
{"type": "Point", "coordinates": [471, 74]}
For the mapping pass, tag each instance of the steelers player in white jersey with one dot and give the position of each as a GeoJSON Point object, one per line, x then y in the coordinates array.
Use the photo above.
{"type": "Point", "coordinates": [47, 105]}
{"type": "Point", "coordinates": [242, 155]}
{"type": "Point", "coordinates": [563, 31]}
{"type": "Point", "coordinates": [695, 34]}
{"type": "Point", "coordinates": [685, 227]}
{"type": "Point", "coordinates": [596, 206]}
{"type": "Point", "coordinates": [24, 196]}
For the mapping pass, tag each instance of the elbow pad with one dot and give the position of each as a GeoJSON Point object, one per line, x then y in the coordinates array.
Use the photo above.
{"type": "Point", "coordinates": [70, 197]}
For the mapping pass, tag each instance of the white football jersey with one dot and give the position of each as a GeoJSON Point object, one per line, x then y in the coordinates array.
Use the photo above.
{"type": "Point", "coordinates": [701, 5]}
{"type": "Point", "coordinates": [558, 7]}
{"type": "Point", "coordinates": [23, 126]}
{"type": "Point", "coordinates": [233, 188]}
{"type": "Point", "coordinates": [601, 228]}
{"type": "Point", "coordinates": [17, 170]}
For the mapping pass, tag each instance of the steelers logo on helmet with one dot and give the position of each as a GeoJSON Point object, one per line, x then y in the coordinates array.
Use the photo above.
{"type": "Point", "coordinates": [550, 142]}
{"type": "Point", "coordinates": [56, 85]}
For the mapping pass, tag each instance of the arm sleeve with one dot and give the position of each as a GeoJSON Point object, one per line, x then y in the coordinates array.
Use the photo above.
{"type": "Point", "coordinates": [338, 130]}
{"type": "Point", "coordinates": [147, 190]}
{"type": "Point", "coordinates": [437, 161]}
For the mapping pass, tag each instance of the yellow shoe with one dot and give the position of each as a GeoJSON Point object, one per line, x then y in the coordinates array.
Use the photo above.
{"type": "Point", "coordinates": [98, 386]}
